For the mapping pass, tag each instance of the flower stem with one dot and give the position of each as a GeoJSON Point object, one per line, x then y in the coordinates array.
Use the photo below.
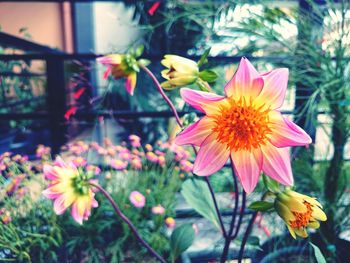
{"type": "Point", "coordinates": [246, 235]}
{"type": "Point", "coordinates": [165, 97]}
{"type": "Point", "coordinates": [179, 122]}
{"type": "Point", "coordinates": [128, 222]}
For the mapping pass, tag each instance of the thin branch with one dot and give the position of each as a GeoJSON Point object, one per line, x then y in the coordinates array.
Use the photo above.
{"type": "Point", "coordinates": [128, 222]}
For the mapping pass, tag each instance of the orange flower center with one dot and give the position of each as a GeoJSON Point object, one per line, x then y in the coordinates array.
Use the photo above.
{"type": "Point", "coordinates": [302, 219]}
{"type": "Point", "coordinates": [242, 125]}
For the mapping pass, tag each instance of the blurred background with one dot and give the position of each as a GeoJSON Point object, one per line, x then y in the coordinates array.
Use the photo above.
{"type": "Point", "coordinates": [52, 90]}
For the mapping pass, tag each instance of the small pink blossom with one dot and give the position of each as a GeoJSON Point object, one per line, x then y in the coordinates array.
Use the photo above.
{"type": "Point", "coordinates": [136, 163]}
{"type": "Point", "coordinates": [151, 156]}
{"type": "Point", "coordinates": [137, 199]}
{"type": "Point", "coordinates": [161, 160]}
{"type": "Point", "coordinates": [79, 161]}
{"type": "Point", "coordinates": [148, 147]}
{"type": "Point", "coordinates": [186, 166]}
{"type": "Point", "coordinates": [118, 164]}
{"type": "Point", "coordinates": [95, 169]}
{"type": "Point", "coordinates": [135, 140]}
{"type": "Point", "coordinates": [158, 210]}
{"type": "Point", "coordinates": [170, 222]}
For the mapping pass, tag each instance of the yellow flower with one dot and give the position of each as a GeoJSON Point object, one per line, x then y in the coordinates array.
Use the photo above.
{"type": "Point", "coordinates": [299, 212]}
{"type": "Point", "coordinates": [68, 187]}
{"type": "Point", "coordinates": [180, 71]}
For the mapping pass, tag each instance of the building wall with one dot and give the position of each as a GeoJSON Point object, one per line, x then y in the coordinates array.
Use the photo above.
{"type": "Point", "coordinates": [48, 23]}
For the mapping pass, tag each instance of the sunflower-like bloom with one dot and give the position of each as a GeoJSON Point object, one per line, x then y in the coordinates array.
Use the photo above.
{"type": "Point", "coordinates": [246, 126]}
{"type": "Point", "coordinates": [180, 71]}
{"type": "Point", "coordinates": [299, 212]}
{"type": "Point", "coordinates": [121, 66]}
{"type": "Point", "coordinates": [69, 187]}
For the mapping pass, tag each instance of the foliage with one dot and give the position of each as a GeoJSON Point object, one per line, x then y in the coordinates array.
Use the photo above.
{"type": "Point", "coordinates": [35, 234]}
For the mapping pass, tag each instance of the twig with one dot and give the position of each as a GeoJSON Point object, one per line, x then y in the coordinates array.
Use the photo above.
{"type": "Point", "coordinates": [128, 222]}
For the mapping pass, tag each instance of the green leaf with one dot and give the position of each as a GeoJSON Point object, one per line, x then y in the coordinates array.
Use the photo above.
{"type": "Point", "coordinates": [208, 75]}
{"type": "Point", "coordinates": [261, 206]}
{"type": "Point", "coordinates": [203, 58]}
{"type": "Point", "coordinates": [144, 62]}
{"type": "Point", "coordinates": [318, 254]}
{"type": "Point", "coordinates": [197, 195]}
{"type": "Point", "coordinates": [253, 241]}
{"type": "Point", "coordinates": [272, 185]}
{"type": "Point", "coordinates": [181, 239]}
{"type": "Point", "coordinates": [139, 50]}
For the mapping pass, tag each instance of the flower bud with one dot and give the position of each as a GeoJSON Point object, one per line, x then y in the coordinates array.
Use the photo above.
{"type": "Point", "coordinates": [299, 212]}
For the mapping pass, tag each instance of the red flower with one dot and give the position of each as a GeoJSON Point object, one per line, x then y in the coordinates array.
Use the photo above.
{"type": "Point", "coordinates": [153, 8]}
{"type": "Point", "coordinates": [78, 93]}
{"type": "Point", "coordinates": [71, 111]}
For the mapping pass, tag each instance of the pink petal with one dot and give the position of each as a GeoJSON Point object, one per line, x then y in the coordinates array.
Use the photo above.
{"type": "Point", "coordinates": [48, 193]}
{"type": "Point", "coordinates": [75, 214]}
{"type": "Point", "coordinates": [195, 133]}
{"type": "Point", "coordinates": [211, 157]}
{"type": "Point", "coordinates": [275, 86]}
{"type": "Point", "coordinates": [203, 101]}
{"type": "Point", "coordinates": [276, 164]}
{"type": "Point", "coordinates": [130, 83]}
{"type": "Point", "coordinates": [107, 72]}
{"type": "Point", "coordinates": [248, 165]}
{"type": "Point", "coordinates": [286, 133]}
{"type": "Point", "coordinates": [245, 82]}
{"type": "Point", "coordinates": [49, 172]}
{"type": "Point", "coordinates": [59, 206]}
{"type": "Point", "coordinates": [60, 163]}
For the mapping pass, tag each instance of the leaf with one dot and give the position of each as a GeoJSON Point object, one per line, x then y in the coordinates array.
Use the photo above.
{"type": "Point", "coordinates": [253, 241]}
{"type": "Point", "coordinates": [318, 254]}
{"type": "Point", "coordinates": [139, 50]}
{"type": "Point", "coordinates": [203, 58]}
{"type": "Point", "coordinates": [197, 195]}
{"type": "Point", "coordinates": [261, 206]}
{"type": "Point", "coordinates": [181, 239]}
{"type": "Point", "coordinates": [144, 62]}
{"type": "Point", "coordinates": [272, 185]}
{"type": "Point", "coordinates": [208, 75]}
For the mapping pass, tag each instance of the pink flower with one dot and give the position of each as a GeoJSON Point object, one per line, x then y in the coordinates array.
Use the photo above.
{"type": "Point", "coordinates": [246, 126]}
{"type": "Point", "coordinates": [118, 164]}
{"type": "Point", "coordinates": [152, 157]}
{"type": "Point", "coordinates": [118, 66]}
{"type": "Point", "coordinates": [186, 166]}
{"type": "Point", "coordinates": [136, 163]}
{"type": "Point", "coordinates": [69, 188]}
{"type": "Point", "coordinates": [135, 140]}
{"type": "Point", "coordinates": [158, 210]}
{"type": "Point", "coordinates": [95, 169]}
{"type": "Point", "coordinates": [148, 147]}
{"type": "Point", "coordinates": [137, 199]}
{"type": "Point", "coordinates": [170, 222]}
{"type": "Point", "coordinates": [79, 161]}
{"type": "Point", "coordinates": [161, 160]}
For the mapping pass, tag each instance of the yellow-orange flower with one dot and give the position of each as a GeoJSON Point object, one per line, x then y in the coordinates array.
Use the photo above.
{"type": "Point", "coordinates": [68, 187]}
{"type": "Point", "coordinates": [299, 212]}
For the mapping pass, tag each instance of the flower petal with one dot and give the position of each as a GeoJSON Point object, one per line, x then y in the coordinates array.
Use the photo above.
{"type": "Point", "coordinates": [130, 83]}
{"type": "Point", "coordinates": [49, 172]}
{"type": "Point", "coordinates": [245, 82]}
{"type": "Point", "coordinates": [211, 157]}
{"type": "Point", "coordinates": [275, 86]}
{"type": "Point", "coordinates": [285, 133]}
{"type": "Point", "coordinates": [113, 59]}
{"type": "Point", "coordinates": [247, 167]}
{"type": "Point", "coordinates": [203, 101]}
{"type": "Point", "coordinates": [195, 133]}
{"type": "Point", "coordinates": [75, 214]}
{"type": "Point", "coordinates": [276, 164]}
